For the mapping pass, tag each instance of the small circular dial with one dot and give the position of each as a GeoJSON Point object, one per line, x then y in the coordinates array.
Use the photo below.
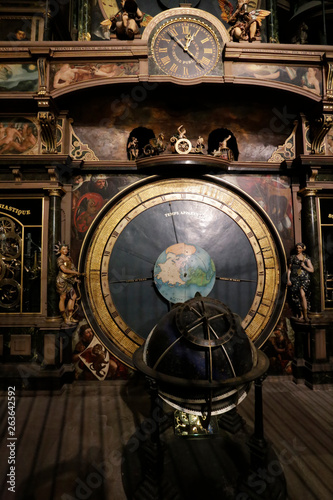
{"type": "Point", "coordinates": [185, 48]}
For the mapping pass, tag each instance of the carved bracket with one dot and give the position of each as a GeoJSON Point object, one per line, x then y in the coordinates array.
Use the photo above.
{"type": "Point", "coordinates": [329, 88]}
{"type": "Point", "coordinates": [41, 65]}
{"type": "Point", "coordinates": [319, 129]}
{"type": "Point", "coordinates": [47, 123]}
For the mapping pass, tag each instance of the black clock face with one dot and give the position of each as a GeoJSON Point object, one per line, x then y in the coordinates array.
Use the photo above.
{"type": "Point", "coordinates": [214, 224]}
{"type": "Point", "coordinates": [185, 48]}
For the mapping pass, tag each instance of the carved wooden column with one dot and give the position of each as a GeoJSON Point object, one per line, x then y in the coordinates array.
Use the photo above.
{"type": "Point", "coordinates": [309, 221]}
{"type": "Point", "coordinates": [84, 20]}
{"type": "Point", "coordinates": [54, 236]}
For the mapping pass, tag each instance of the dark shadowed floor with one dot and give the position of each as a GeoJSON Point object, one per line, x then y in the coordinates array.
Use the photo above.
{"type": "Point", "coordinates": [70, 444]}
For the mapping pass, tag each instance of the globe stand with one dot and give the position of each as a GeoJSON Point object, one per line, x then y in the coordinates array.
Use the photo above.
{"type": "Point", "coordinates": [232, 465]}
{"type": "Point", "coordinates": [199, 360]}
{"type": "Point", "coordinates": [231, 421]}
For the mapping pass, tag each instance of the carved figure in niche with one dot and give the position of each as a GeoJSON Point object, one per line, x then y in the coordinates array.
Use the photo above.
{"type": "Point", "coordinates": [133, 148]}
{"type": "Point", "coordinates": [181, 132]}
{"type": "Point", "coordinates": [298, 281]}
{"type": "Point", "coordinates": [126, 22]}
{"type": "Point", "coordinates": [156, 145]}
{"type": "Point", "coordinates": [176, 137]}
{"type": "Point", "coordinates": [223, 150]}
{"type": "Point", "coordinates": [200, 145]}
{"type": "Point", "coordinates": [66, 282]}
{"type": "Point", "coordinates": [246, 25]}
{"type": "Point", "coordinates": [301, 35]}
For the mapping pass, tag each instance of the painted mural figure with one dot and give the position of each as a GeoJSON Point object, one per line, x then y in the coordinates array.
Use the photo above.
{"type": "Point", "coordinates": [9, 135]}
{"type": "Point", "coordinates": [298, 281]}
{"type": "Point", "coordinates": [91, 359]}
{"type": "Point", "coordinates": [15, 141]}
{"type": "Point", "coordinates": [67, 75]}
{"type": "Point", "coordinates": [67, 279]}
{"type": "Point", "coordinates": [310, 80]}
{"type": "Point", "coordinates": [125, 23]}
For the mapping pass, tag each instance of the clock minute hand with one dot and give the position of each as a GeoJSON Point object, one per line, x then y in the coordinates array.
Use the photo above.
{"type": "Point", "coordinates": [177, 40]}
{"type": "Point", "coordinates": [185, 48]}
{"type": "Point", "coordinates": [195, 59]}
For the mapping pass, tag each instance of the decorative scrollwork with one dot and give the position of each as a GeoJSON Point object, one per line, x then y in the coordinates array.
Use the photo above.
{"type": "Point", "coordinates": [286, 151]}
{"type": "Point", "coordinates": [9, 293]}
{"type": "Point", "coordinates": [319, 128]}
{"type": "Point", "coordinates": [47, 123]}
{"type": "Point", "coordinates": [329, 88]}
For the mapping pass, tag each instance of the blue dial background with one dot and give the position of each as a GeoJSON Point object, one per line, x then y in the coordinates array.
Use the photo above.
{"type": "Point", "coordinates": [151, 232]}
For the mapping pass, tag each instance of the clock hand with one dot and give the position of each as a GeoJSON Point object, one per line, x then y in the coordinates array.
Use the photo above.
{"type": "Point", "coordinates": [173, 223]}
{"type": "Point", "coordinates": [235, 279]}
{"type": "Point", "coordinates": [185, 49]}
{"type": "Point", "coordinates": [189, 39]}
{"type": "Point", "coordinates": [176, 40]}
{"type": "Point", "coordinates": [133, 280]}
{"type": "Point", "coordinates": [195, 59]}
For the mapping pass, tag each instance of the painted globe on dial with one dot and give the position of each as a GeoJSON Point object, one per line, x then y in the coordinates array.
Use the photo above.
{"type": "Point", "coordinates": [183, 270]}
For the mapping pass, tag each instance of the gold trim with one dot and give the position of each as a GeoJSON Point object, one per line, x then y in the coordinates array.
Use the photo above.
{"type": "Point", "coordinates": [142, 198]}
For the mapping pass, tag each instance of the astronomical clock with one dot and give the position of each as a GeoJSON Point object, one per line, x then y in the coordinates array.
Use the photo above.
{"type": "Point", "coordinates": [165, 240]}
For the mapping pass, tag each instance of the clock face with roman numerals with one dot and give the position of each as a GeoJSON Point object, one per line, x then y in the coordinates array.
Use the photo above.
{"type": "Point", "coordinates": [121, 298]}
{"type": "Point", "coordinates": [185, 48]}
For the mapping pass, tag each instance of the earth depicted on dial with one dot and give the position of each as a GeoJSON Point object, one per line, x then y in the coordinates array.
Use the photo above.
{"type": "Point", "coordinates": [182, 271]}
{"type": "Point", "coordinates": [164, 239]}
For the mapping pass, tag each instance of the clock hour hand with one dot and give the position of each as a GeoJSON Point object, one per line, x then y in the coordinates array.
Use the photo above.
{"type": "Point", "coordinates": [189, 39]}
{"type": "Point", "coordinates": [132, 280]}
{"type": "Point", "coordinates": [235, 280]}
{"type": "Point", "coordinates": [185, 49]}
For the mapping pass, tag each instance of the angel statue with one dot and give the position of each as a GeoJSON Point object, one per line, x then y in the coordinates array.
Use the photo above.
{"type": "Point", "coordinates": [245, 25]}
{"type": "Point", "coordinates": [126, 23]}
{"type": "Point", "coordinates": [66, 282]}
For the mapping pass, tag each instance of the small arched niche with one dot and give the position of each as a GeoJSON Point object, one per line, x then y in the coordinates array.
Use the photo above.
{"type": "Point", "coordinates": [143, 136]}
{"type": "Point", "coordinates": [220, 135]}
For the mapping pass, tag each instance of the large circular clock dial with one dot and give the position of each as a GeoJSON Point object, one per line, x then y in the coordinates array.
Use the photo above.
{"type": "Point", "coordinates": [185, 48]}
{"type": "Point", "coordinates": [121, 299]}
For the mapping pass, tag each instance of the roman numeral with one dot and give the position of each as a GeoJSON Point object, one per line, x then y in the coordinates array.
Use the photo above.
{"type": "Point", "coordinates": [165, 60]}
{"type": "Point", "coordinates": [173, 32]}
{"type": "Point", "coordinates": [204, 60]}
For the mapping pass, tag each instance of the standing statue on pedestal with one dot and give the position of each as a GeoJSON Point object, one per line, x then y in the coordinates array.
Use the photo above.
{"type": "Point", "coordinates": [126, 22]}
{"type": "Point", "coordinates": [300, 267]}
{"type": "Point", "coordinates": [66, 282]}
